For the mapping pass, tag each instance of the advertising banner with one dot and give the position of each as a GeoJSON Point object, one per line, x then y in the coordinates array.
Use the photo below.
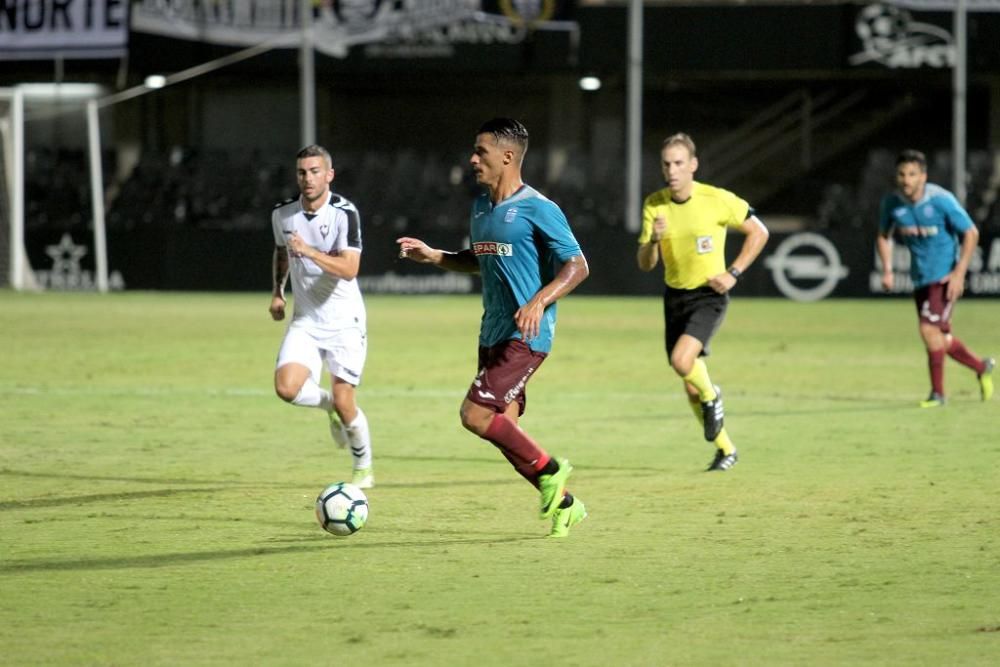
{"type": "Point", "coordinates": [385, 29]}
{"type": "Point", "coordinates": [801, 266]}
{"type": "Point", "coordinates": [43, 29]}
{"type": "Point", "coordinates": [808, 266]}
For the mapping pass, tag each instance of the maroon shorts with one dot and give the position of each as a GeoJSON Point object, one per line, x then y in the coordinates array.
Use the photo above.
{"type": "Point", "coordinates": [933, 306]}
{"type": "Point", "coordinates": [504, 370]}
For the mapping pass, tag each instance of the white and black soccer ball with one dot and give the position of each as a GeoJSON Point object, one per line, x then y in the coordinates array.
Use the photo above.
{"type": "Point", "coordinates": [342, 509]}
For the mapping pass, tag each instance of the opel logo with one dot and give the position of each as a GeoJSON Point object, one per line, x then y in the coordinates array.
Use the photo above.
{"type": "Point", "coordinates": [811, 275]}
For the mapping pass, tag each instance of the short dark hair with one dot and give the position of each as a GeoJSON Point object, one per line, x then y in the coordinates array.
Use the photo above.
{"type": "Point", "coordinates": [912, 156]}
{"type": "Point", "coordinates": [507, 129]}
{"type": "Point", "coordinates": [315, 150]}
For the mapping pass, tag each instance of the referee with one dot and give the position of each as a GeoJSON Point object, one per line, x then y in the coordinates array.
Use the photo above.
{"type": "Point", "coordinates": [685, 224]}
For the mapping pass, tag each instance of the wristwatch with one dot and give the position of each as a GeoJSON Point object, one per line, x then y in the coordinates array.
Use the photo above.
{"type": "Point", "coordinates": [734, 272]}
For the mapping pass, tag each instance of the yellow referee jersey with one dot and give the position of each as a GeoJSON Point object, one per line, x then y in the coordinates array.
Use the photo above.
{"type": "Point", "coordinates": [693, 249]}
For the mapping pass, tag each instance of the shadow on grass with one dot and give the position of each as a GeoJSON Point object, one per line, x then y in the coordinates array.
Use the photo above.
{"type": "Point", "coordinates": [98, 498]}
{"type": "Point", "coordinates": [7, 472]}
{"type": "Point", "coordinates": [321, 542]}
{"type": "Point", "coordinates": [226, 485]}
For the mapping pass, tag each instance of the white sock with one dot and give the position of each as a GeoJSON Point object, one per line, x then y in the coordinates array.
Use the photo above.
{"type": "Point", "coordinates": [313, 396]}
{"type": "Point", "coordinates": [360, 440]}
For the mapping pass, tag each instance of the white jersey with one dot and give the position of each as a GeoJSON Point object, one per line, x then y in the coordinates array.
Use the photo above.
{"type": "Point", "coordinates": [323, 302]}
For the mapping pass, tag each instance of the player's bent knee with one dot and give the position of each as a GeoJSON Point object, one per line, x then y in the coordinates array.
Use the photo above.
{"type": "Point", "coordinates": [286, 391]}
{"type": "Point", "coordinates": [681, 366]}
{"type": "Point", "coordinates": [475, 418]}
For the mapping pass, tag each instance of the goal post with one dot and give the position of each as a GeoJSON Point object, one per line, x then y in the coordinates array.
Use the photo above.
{"type": "Point", "coordinates": [13, 256]}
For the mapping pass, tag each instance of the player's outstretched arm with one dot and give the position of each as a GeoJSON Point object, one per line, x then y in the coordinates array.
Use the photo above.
{"type": "Point", "coordinates": [529, 316]}
{"type": "Point", "coordinates": [462, 261]}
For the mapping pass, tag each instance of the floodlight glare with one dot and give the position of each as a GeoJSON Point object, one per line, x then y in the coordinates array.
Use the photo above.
{"type": "Point", "coordinates": [156, 81]}
{"type": "Point", "coordinates": [590, 83]}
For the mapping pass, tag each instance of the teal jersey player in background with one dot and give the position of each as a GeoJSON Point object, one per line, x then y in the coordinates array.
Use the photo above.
{"type": "Point", "coordinates": [520, 243]}
{"type": "Point", "coordinates": [527, 257]}
{"type": "Point", "coordinates": [941, 238]}
{"type": "Point", "coordinates": [930, 228]}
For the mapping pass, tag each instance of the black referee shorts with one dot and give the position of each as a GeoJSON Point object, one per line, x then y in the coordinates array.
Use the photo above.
{"type": "Point", "coordinates": [695, 312]}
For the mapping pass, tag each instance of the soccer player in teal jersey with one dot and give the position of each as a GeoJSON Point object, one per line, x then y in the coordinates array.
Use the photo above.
{"type": "Point", "coordinates": [941, 238]}
{"type": "Point", "coordinates": [527, 257]}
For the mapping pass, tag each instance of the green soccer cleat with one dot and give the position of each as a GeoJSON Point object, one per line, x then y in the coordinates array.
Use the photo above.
{"type": "Point", "coordinates": [553, 487]}
{"type": "Point", "coordinates": [986, 379]}
{"type": "Point", "coordinates": [363, 478]}
{"type": "Point", "coordinates": [567, 517]}
{"type": "Point", "coordinates": [935, 400]}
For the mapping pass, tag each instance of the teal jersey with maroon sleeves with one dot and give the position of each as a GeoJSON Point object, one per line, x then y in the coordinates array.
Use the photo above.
{"type": "Point", "coordinates": [931, 228]}
{"type": "Point", "coordinates": [520, 243]}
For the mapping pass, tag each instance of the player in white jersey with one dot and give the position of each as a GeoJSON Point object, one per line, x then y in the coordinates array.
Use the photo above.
{"type": "Point", "coordinates": [317, 240]}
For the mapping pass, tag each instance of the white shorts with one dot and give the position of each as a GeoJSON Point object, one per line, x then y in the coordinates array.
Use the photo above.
{"type": "Point", "coordinates": [343, 352]}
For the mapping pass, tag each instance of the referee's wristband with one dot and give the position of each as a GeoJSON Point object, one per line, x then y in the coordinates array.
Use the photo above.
{"type": "Point", "coordinates": [734, 272]}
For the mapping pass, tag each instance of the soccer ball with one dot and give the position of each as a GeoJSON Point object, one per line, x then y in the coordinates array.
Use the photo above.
{"type": "Point", "coordinates": [342, 509]}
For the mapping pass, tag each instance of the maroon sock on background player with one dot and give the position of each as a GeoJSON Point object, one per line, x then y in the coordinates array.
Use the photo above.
{"type": "Point", "coordinates": [524, 454]}
{"type": "Point", "coordinates": [935, 363]}
{"type": "Point", "coordinates": [964, 356]}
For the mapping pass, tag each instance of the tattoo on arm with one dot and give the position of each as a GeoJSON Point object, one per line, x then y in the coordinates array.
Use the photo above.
{"type": "Point", "coordinates": [280, 270]}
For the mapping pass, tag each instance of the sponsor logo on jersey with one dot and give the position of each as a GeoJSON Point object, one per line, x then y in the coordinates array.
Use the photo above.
{"type": "Point", "coordinates": [492, 248]}
{"type": "Point", "coordinates": [704, 245]}
{"type": "Point", "coordinates": [918, 230]}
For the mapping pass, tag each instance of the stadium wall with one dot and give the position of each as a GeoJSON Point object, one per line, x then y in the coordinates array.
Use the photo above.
{"type": "Point", "coordinates": [804, 266]}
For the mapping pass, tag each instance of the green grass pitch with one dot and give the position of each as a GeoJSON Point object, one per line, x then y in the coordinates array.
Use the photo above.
{"type": "Point", "coordinates": [156, 498]}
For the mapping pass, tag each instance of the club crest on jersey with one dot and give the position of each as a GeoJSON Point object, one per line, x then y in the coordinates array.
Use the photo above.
{"type": "Point", "coordinates": [510, 215]}
{"type": "Point", "coordinates": [492, 248]}
{"type": "Point", "coordinates": [324, 229]}
{"type": "Point", "coordinates": [704, 244]}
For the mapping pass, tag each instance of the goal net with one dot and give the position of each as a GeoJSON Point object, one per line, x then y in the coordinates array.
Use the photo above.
{"type": "Point", "coordinates": [15, 270]}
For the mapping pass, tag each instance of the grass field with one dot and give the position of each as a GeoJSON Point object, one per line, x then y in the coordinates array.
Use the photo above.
{"type": "Point", "coordinates": [156, 498]}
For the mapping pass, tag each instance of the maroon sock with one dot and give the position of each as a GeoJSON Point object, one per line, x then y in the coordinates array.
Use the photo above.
{"type": "Point", "coordinates": [522, 452]}
{"type": "Point", "coordinates": [935, 361]}
{"type": "Point", "coordinates": [962, 355]}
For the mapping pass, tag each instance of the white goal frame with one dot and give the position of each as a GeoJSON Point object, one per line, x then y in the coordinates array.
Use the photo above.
{"type": "Point", "coordinates": [12, 127]}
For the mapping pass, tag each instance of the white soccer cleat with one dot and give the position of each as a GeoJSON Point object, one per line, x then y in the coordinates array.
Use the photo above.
{"type": "Point", "coordinates": [363, 478]}
{"type": "Point", "coordinates": [337, 430]}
